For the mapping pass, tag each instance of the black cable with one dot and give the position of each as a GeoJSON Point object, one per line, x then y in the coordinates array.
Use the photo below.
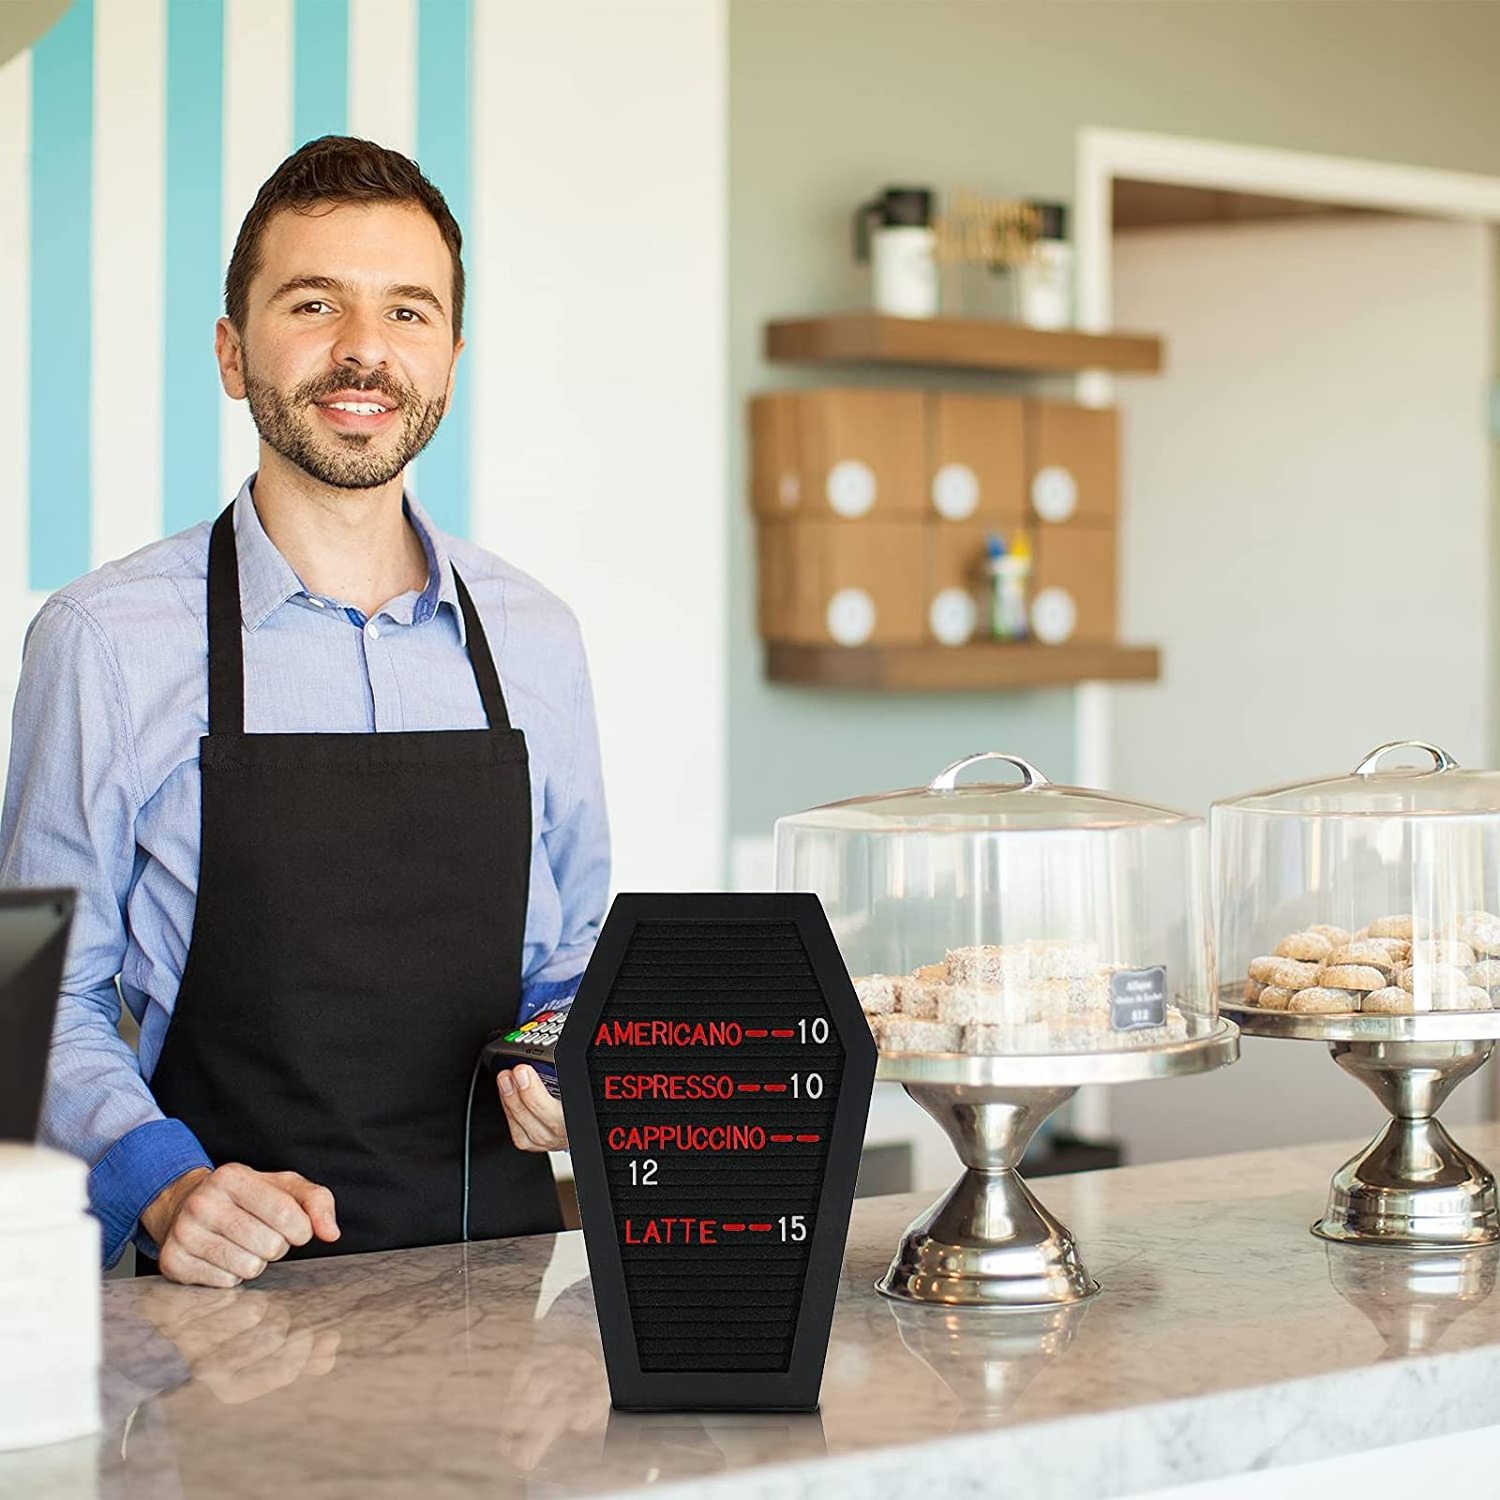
{"type": "Point", "coordinates": [468, 1134]}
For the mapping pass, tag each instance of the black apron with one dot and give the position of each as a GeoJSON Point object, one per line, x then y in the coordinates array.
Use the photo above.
{"type": "Point", "coordinates": [361, 909]}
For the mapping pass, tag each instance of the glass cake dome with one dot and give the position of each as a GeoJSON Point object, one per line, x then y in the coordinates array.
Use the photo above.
{"type": "Point", "coordinates": [1377, 892]}
{"type": "Point", "coordinates": [1012, 917]}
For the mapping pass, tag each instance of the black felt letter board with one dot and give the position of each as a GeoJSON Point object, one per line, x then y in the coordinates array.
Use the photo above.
{"type": "Point", "coordinates": [716, 1074]}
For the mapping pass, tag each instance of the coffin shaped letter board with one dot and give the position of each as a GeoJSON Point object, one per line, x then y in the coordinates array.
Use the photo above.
{"type": "Point", "coordinates": [716, 1074]}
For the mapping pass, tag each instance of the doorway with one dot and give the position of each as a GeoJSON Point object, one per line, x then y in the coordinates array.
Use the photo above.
{"type": "Point", "coordinates": [1306, 529]}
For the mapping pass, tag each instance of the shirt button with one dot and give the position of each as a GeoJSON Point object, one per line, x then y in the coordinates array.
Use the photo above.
{"type": "Point", "coordinates": [373, 631]}
{"type": "Point", "coordinates": [316, 603]}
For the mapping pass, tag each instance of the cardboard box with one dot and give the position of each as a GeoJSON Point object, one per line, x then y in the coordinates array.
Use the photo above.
{"type": "Point", "coordinates": [1072, 464]}
{"type": "Point", "coordinates": [976, 459]}
{"type": "Point", "coordinates": [1073, 577]}
{"type": "Point", "coordinates": [829, 583]}
{"type": "Point", "coordinates": [956, 596]}
{"type": "Point", "coordinates": [849, 455]}
{"type": "Point", "coordinates": [775, 455]}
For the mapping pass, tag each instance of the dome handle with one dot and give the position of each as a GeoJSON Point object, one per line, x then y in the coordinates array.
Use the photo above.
{"type": "Point", "coordinates": [1441, 760]}
{"type": "Point", "coordinates": [947, 779]}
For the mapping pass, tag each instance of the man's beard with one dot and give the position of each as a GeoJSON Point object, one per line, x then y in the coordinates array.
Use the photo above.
{"type": "Point", "coordinates": [341, 459]}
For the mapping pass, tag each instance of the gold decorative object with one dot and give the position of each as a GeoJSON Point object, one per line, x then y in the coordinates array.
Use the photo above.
{"type": "Point", "coordinates": [991, 232]}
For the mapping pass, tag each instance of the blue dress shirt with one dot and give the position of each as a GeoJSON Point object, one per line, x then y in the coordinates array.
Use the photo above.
{"type": "Point", "coordinates": [103, 792]}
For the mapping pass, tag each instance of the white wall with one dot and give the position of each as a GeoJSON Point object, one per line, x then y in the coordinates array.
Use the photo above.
{"type": "Point", "coordinates": [600, 136]}
{"type": "Point", "coordinates": [1306, 534]}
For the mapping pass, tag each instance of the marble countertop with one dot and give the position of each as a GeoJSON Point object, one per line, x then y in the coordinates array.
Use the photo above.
{"type": "Point", "coordinates": [1226, 1338]}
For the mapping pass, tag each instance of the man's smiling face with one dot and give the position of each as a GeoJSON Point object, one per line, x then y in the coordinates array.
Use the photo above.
{"type": "Point", "coordinates": [348, 355]}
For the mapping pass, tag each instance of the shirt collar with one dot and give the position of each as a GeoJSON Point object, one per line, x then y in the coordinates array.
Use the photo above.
{"type": "Point", "coordinates": [441, 588]}
{"type": "Point", "coordinates": [268, 580]}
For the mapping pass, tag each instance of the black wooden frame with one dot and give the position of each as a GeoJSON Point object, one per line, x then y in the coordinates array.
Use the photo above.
{"type": "Point", "coordinates": [796, 1388]}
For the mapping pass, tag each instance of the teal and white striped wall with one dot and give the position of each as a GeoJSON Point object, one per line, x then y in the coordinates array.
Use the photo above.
{"type": "Point", "coordinates": [582, 144]}
{"type": "Point", "coordinates": [133, 137]}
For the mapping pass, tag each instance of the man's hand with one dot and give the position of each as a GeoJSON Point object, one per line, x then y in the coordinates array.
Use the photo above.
{"type": "Point", "coordinates": [534, 1116]}
{"type": "Point", "coordinates": [223, 1227]}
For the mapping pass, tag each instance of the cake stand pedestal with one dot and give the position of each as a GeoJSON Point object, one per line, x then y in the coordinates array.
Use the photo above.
{"type": "Point", "coordinates": [988, 1241]}
{"type": "Point", "coordinates": [1413, 1186]}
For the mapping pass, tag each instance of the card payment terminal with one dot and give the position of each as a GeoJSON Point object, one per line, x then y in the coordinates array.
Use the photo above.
{"type": "Point", "coordinates": [531, 1042]}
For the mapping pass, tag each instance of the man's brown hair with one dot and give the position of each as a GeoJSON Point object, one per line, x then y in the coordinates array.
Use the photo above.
{"type": "Point", "coordinates": [330, 170]}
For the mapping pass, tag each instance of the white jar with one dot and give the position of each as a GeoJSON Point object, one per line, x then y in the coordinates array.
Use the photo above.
{"type": "Point", "coordinates": [49, 1298]}
{"type": "Point", "coordinates": [894, 233]}
{"type": "Point", "coordinates": [904, 271]}
{"type": "Point", "coordinates": [1044, 280]}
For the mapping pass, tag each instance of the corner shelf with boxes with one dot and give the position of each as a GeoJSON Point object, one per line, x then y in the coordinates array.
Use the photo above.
{"type": "Point", "coordinates": [897, 528]}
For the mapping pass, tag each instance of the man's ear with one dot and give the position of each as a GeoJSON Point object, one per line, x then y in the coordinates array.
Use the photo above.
{"type": "Point", "coordinates": [229, 351]}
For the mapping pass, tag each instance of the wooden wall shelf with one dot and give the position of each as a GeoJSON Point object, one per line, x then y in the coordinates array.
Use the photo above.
{"type": "Point", "coordinates": [983, 666]}
{"type": "Point", "coordinates": [956, 343]}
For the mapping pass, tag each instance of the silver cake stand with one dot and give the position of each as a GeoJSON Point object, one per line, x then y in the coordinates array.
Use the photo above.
{"type": "Point", "coordinates": [988, 1242]}
{"type": "Point", "coordinates": [1413, 1186]}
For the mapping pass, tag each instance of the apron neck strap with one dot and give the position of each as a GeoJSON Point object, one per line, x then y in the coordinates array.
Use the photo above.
{"type": "Point", "coordinates": [226, 655]}
{"type": "Point", "coordinates": [226, 651]}
{"type": "Point", "coordinates": [481, 660]}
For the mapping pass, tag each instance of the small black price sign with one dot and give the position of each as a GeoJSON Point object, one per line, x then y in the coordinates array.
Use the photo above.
{"type": "Point", "coordinates": [716, 1074]}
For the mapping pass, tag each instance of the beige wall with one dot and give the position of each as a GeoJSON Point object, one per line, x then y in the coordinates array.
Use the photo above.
{"type": "Point", "coordinates": [1494, 407]}
{"type": "Point", "coordinates": [830, 99]}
